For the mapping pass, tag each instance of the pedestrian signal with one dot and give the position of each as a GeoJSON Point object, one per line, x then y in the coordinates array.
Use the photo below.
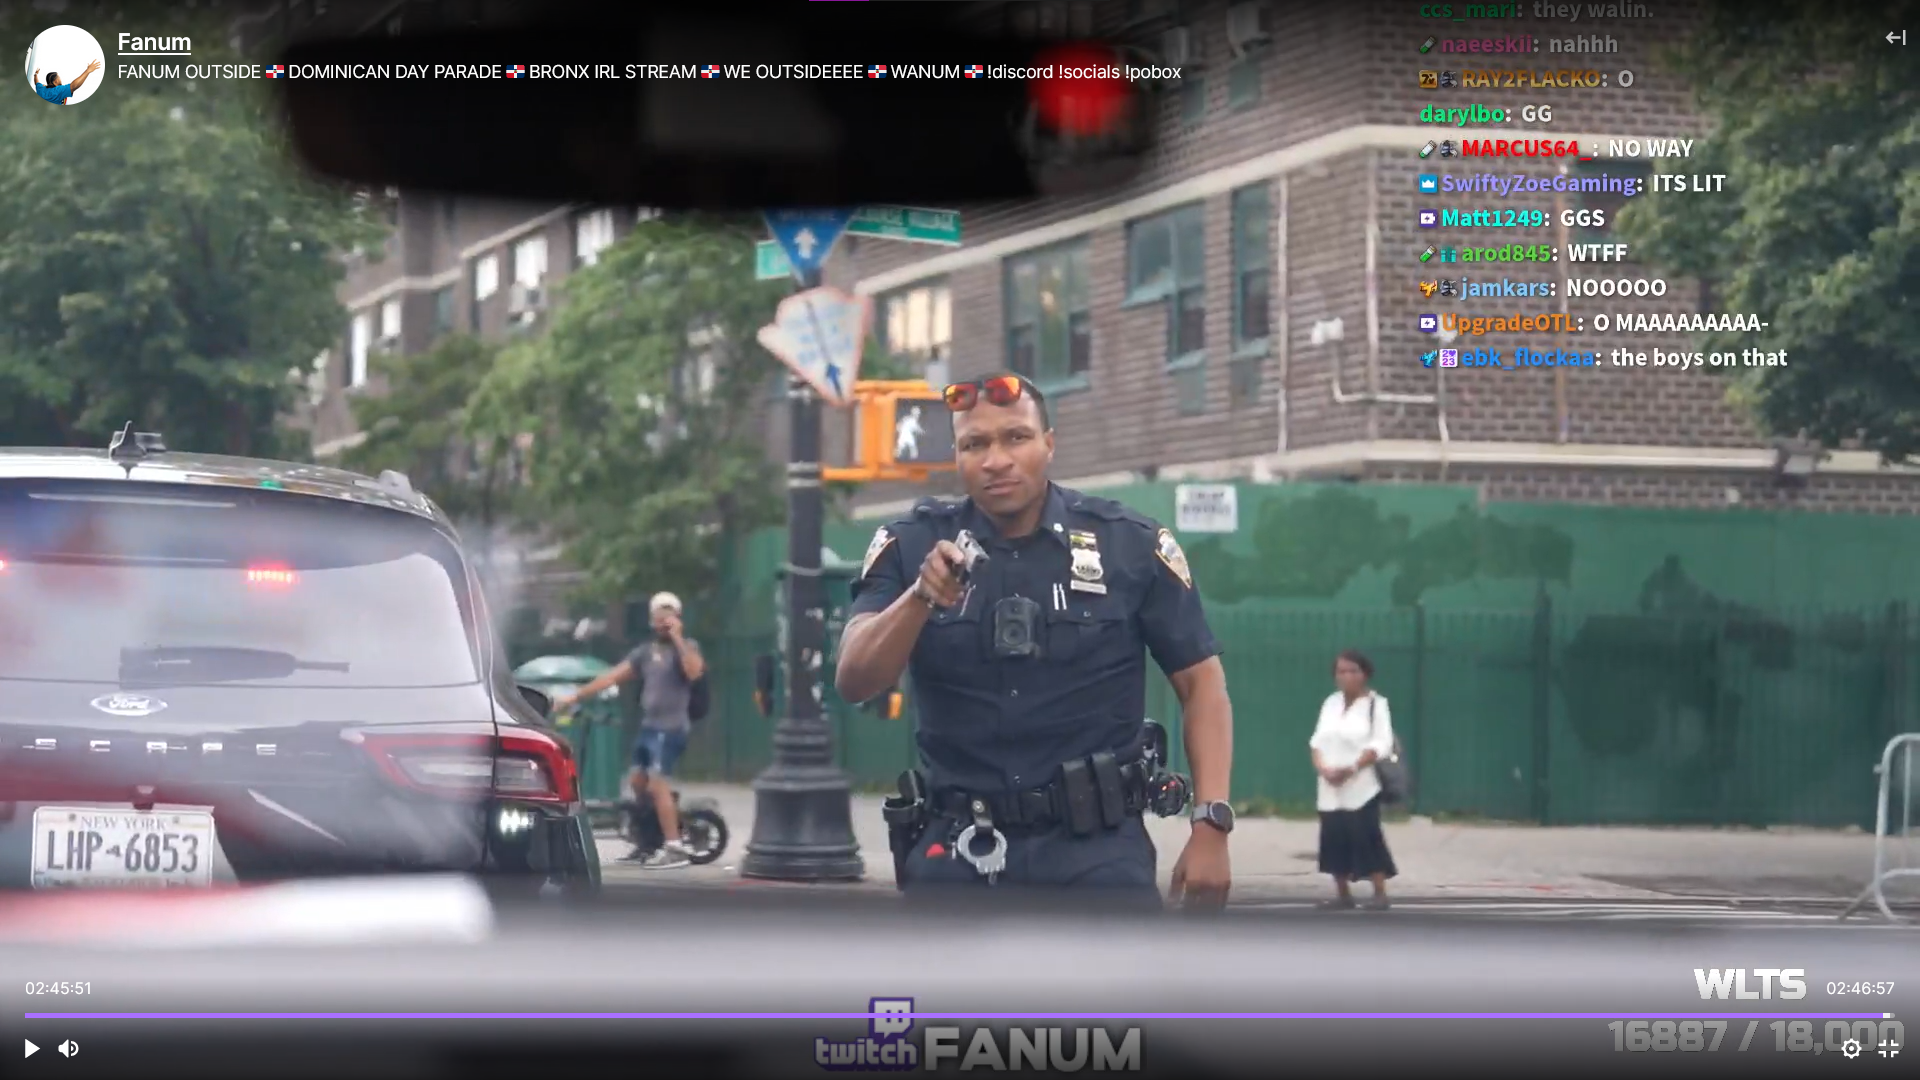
{"type": "Point", "coordinates": [922, 432]}
{"type": "Point", "coordinates": [904, 431]}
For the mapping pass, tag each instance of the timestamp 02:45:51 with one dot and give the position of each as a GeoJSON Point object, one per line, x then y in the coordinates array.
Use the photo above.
{"type": "Point", "coordinates": [59, 989]}
{"type": "Point", "coordinates": [1884, 1037]}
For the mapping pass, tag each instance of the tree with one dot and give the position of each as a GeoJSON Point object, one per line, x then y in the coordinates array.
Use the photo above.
{"type": "Point", "coordinates": [163, 263]}
{"type": "Point", "coordinates": [422, 427]}
{"type": "Point", "coordinates": [1817, 128]}
{"type": "Point", "coordinates": [645, 397]}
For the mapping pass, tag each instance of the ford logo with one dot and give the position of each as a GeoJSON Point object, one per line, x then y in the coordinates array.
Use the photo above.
{"type": "Point", "coordinates": [128, 705]}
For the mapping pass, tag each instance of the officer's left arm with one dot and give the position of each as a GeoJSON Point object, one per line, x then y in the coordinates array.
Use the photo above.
{"type": "Point", "coordinates": [1175, 629]}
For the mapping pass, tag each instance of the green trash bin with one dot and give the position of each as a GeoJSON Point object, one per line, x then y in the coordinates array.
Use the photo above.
{"type": "Point", "coordinates": [594, 729]}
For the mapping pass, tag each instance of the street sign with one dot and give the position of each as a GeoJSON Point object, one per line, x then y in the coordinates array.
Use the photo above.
{"type": "Point", "coordinates": [912, 224]}
{"type": "Point", "coordinates": [922, 432]}
{"type": "Point", "coordinates": [1206, 508]}
{"type": "Point", "coordinates": [770, 263]}
{"type": "Point", "coordinates": [807, 236]}
{"type": "Point", "coordinates": [819, 335]}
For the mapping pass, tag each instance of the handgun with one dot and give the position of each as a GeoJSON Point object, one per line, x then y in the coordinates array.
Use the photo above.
{"type": "Point", "coordinates": [972, 554]}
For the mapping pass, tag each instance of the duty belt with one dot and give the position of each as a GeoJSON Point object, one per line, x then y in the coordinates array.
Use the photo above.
{"type": "Point", "coordinates": [1079, 798]}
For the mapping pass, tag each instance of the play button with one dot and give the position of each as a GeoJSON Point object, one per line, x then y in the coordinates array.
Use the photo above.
{"type": "Point", "coordinates": [31, 1048]}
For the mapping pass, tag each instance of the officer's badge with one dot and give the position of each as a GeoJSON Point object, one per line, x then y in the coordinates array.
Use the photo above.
{"type": "Point", "coordinates": [1169, 551]}
{"type": "Point", "coordinates": [881, 538]}
{"type": "Point", "coordinates": [1087, 571]}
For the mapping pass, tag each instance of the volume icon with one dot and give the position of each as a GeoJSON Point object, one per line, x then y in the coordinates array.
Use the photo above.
{"type": "Point", "coordinates": [68, 1048]}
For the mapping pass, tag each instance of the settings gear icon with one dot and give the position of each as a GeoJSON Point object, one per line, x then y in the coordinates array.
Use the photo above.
{"type": "Point", "coordinates": [1851, 1048]}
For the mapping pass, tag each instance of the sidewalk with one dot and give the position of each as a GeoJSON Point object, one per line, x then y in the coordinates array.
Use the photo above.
{"type": "Point", "coordinates": [1273, 859]}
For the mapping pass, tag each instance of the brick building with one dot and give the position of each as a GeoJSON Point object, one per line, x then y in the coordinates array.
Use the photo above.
{"type": "Point", "coordinates": [1248, 307]}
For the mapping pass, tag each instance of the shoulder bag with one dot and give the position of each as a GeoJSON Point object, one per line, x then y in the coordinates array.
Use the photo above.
{"type": "Point", "coordinates": [1396, 784]}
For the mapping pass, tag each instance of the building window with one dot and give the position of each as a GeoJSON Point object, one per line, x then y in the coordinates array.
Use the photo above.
{"type": "Point", "coordinates": [530, 261]}
{"type": "Point", "coordinates": [918, 322]}
{"type": "Point", "coordinates": [390, 320]}
{"type": "Point", "coordinates": [486, 282]}
{"type": "Point", "coordinates": [1049, 332]}
{"type": "Point", "coordinates": [443, 311]}
{"type": "Point", "coordinates": [1252, 268]}
{"type": "Point", "coordinates": [1243, 82]}
{"type": "Point", "coordinates": [486, 277]}
{"type": "Point", "coordinates": [359, 345]}
{"type": "Point", "coordinates": [1166, 260]}
{"type": "Point", "coordinates": [1193, 99]}
{"type": "Point", "coordinates": [592, 234]}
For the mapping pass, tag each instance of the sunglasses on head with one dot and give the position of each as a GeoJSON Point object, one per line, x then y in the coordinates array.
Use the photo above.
{"type": "Point", "coordinates": [1000, 390]}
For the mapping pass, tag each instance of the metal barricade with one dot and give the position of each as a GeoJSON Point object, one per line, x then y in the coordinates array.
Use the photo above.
{"type": "Point", "coordinates": [1901, 748]}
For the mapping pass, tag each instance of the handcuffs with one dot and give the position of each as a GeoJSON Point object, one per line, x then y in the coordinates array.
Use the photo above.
{"type": "Point", "coordinates": [994, 860]}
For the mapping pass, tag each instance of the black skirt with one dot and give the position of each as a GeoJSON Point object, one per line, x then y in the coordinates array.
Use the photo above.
{"type": "Point", "coordinates": [1352, 844]}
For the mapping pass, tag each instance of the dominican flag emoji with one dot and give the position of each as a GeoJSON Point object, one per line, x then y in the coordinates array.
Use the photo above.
{"type": "Point", "coordinates": [711, 71]}
{"type": "Point", "coordinates": [877, 71]}
{"type": "Point", "coordinates": [277, 71]}
{"type": "Point", "coordinates": [975, 71]}
{"type": "Point", "coordinates": [517, 71]}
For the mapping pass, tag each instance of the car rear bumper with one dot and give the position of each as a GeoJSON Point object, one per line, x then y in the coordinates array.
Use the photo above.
{"type": "Point", "coordinates": [497, 838]}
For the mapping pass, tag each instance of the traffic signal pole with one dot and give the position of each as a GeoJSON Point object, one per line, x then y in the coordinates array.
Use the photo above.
{"type": "Point", "coordinates": [803, 803]}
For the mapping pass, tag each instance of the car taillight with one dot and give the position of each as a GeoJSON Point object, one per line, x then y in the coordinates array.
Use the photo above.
{"type": "Point", "coordinates": [274, 577]}
{"type": "Point", "coordinates": [535, 765]}
{"type": "Point", "coordinates": [522, 765]}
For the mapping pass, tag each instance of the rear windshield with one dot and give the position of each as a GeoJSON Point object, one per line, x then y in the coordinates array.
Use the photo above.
{"type": "Point", "coordinates": [150, 584]}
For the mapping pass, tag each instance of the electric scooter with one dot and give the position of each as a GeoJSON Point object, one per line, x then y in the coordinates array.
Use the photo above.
{"type": "Point", "coordinates": [702, 829]}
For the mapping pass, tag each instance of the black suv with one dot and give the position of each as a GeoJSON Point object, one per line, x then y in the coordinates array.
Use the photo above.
{"type": "Point", "coordinates": [218, 669]}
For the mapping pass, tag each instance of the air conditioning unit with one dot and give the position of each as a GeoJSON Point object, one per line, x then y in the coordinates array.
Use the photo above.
{"type": "Point", "coordinates": [1247, 27]}
{"type": "Point", "coordinates": [525, 300]}
{"type": "Point", "coordinates": [1177, 48]}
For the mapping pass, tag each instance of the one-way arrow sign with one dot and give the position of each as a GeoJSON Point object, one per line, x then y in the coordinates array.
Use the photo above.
{"type": "Point", "coordinates": [31, 1049]}
{"type": "Point", "coordinates": [807, 236]}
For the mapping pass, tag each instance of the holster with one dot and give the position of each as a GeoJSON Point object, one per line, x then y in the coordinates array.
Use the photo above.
{"type": "Point", "coordinates": [907, 816]}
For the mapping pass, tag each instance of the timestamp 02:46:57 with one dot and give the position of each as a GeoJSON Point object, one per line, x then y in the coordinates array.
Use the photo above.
{"type": "Point", "coordinates": [1885, 1037]}
{"type": "Point", "coordinates": [59, 989]}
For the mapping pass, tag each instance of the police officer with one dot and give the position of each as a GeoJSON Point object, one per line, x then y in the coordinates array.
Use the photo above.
{"type": "Point", "coordinates": [1029, 670]}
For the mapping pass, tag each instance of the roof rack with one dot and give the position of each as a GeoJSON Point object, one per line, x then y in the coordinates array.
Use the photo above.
{"type": "Point", "coordinates": [129, 445]}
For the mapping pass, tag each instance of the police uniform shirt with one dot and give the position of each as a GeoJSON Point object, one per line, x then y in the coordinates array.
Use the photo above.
{"type": "Point", "coordinates": [989, 724]}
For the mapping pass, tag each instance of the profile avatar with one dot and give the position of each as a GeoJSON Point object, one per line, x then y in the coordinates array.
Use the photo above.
{"type": "Point", "coordinates": [65, 65]}
{"type": "Point", "coordinates": [52, 90]}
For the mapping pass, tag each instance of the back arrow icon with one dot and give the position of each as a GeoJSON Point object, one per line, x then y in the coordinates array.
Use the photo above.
{"type": "Point", "coordinates": [31, 1049]}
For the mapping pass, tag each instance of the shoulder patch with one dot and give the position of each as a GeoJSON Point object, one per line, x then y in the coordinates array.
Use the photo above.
{"type": "Point", "coordinates": [1168, 550]}
{"type": "Point", "coordinates": [882, 536]}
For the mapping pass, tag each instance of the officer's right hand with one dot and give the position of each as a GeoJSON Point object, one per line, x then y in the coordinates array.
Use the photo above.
{"type": "Point", "coordinates": [939, 574]}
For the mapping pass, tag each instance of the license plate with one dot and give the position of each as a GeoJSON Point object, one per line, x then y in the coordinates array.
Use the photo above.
{"type": "Point", "coordinates": [76, 847]}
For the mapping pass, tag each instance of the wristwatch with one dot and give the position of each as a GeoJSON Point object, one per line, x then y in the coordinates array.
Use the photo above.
{"type": "Point", "coordinates": [921, 594]}
{"type": "Point", "coordinates": [1217, 814]}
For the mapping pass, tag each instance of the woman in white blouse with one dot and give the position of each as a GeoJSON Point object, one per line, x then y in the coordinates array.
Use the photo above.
{"type": "Point", "coordinates": [1355, 730]}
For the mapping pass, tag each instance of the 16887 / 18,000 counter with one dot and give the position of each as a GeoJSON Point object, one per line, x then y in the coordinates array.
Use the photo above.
{"type": "Point", "coordinates": [1852, 1038]}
